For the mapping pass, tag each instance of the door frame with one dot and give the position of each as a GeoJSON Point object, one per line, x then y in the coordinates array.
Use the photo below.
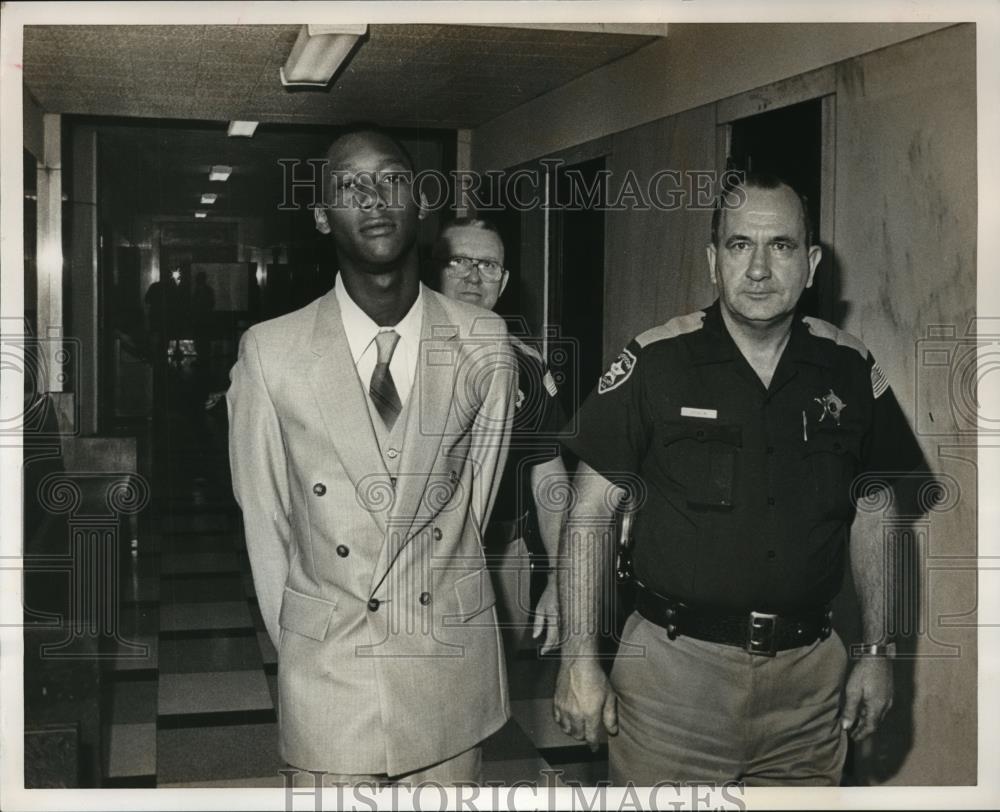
{"type": "Point", "coordinates": [551, 227]}
{"type": "Point", "coordinates": [818, 84]}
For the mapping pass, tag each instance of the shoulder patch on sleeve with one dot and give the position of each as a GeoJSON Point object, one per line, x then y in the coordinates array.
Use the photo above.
{"type": "Point", "coordinates": [823, 329]}
{"type": "Point", "coordinates": [879, 382]}
{"type": "Point", "coordinates": [677, 326]}
{"type": "Point", "coordinates": [619, 372]}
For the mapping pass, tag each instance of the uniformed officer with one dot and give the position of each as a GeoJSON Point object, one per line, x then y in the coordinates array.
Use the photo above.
{"type": "Point", "coordinates": [528, 513]}
{"type": "Point", "coordinates": [740, 429]}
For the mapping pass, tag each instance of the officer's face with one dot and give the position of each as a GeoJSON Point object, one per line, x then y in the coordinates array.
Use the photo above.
{"type": "Point", "coordinates": [473, 243]}
{"type": "Point", "coordinates": [370, 209]}
{"type": "Point", "coordinates": [762, 263]}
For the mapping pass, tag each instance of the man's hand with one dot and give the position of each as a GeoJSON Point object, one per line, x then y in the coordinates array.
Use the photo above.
{"type": "Point", "coordinates": [547, 617]}
{"type": "Point", "coordinates": [868, 697]}
{"type": "Point", "coordinates": [584, 700]}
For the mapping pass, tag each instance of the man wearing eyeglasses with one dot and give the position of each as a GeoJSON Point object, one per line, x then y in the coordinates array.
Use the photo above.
{"type": "Point", "coordinates": [368, 430]}
{"type": "Point", "coordinates": [527, 517]}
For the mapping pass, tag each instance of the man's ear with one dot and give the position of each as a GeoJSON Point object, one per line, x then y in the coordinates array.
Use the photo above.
{"type": "Point", "coordinates": [503, 283]}
{"type": "Point", "coordinates": [425, 207]}
{"type": "Point", "coordinates": [322, 221]}
{"type": "Point", "coordinates": [710, 252]}
{"type": "Point", "coordinates": [815, 255]}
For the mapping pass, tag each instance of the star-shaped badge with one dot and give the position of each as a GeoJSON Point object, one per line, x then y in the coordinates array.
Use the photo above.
{"type": "Point", "coordinates": [832, 405]}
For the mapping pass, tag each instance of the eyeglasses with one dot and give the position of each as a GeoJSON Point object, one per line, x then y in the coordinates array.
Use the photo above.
{"type": "Point", "coordinates": [461, 267]}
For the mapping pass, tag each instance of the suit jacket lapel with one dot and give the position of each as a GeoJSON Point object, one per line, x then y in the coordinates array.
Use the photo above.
{"type": "Point", "coordinates": [342, 404]}
{"type": "Point", "coordinates": [430, 404]}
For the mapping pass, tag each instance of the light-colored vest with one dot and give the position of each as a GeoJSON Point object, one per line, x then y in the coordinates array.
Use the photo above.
{"type": "Point", "coordinates": [390, 443]}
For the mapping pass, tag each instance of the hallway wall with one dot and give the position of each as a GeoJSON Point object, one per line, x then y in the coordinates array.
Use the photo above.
{"type": "Point", "coordinates": [694, 65]}
{"type": "Point", "coordinates": [905, 252]}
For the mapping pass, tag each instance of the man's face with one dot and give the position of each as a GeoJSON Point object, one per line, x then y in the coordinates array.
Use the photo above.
{"type": "Point", "coordinates": [370, 206]}
{"type": "Point", "coordinates": [475, 243]}
{"type": "Point", "coordinates": [762, 262]}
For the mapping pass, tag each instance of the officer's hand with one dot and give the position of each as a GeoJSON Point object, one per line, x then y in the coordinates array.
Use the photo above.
{"type": "Point", "coordinates": [547, 618]}
{"type": "Point", "coordinates": [868, 697]}
{"type": "Point", "coordinates": [584, 700]}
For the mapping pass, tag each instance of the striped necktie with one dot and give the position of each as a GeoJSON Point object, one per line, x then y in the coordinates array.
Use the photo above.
{"type": "Point", "coordinates": [382, 388]}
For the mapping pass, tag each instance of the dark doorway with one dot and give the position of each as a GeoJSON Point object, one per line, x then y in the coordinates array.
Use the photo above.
{"type": "Point", "coordinates": [576, 305]}
{"type": "Point", "coordinates": [508, 223]}
{"type": "Point", "coordinates": [788, 142]}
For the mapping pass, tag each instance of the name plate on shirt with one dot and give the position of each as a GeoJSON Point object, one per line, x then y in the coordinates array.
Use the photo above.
{"type": "Point", "coordinates": [691, 411]}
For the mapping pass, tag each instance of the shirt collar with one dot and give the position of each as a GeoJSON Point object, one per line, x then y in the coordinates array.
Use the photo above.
{"type": "Point", "coordinates": [804, 347]}
{"type": "Point", "coordinates": [361, 329]}
{"type": "Point", "coordinates": [714, 344]}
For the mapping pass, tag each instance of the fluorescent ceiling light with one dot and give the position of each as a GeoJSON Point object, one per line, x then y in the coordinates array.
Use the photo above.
{"type": "Point", "coordinates": [208, 199]}
{"type": "Point", "coordinates": [220, 172]}
{"type": "Point", "coordinates": [201, 214]}
{"type": "Point", "coordinates": [242, 129]}
{"type": "Point", "coordinates": [318, 52]}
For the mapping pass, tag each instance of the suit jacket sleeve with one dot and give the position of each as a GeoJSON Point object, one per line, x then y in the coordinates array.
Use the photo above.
{"type": "Point", "coordinates": [491, 431]}
{"type": "Point", "coordinates": [260, 480]}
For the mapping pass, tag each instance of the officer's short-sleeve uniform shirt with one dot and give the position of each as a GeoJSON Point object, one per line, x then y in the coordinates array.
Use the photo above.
{"type": "Point", "coordinates": [538, 420]}
{"type": "Point", "coordinates": [746, 491]}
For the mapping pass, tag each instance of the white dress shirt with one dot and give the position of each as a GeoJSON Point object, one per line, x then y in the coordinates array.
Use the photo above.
{"type": "Point", "coordinates": [361, 332]}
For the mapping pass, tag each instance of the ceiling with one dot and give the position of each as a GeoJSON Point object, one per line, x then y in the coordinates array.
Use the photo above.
{"type": "Point", "coordinates": [161, 167]}
{"type": "Point", "coordinates": [445, 76]}
{"type": "Point", "coordinates": [161, 96]}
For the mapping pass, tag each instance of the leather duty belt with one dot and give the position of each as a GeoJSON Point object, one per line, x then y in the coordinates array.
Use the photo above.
{"type": "Point", "coordinates": [757, 632]}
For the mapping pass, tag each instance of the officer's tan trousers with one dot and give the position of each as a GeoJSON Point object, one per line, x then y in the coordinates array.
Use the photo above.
{"type": "Point", "coordinates": [692, 711]}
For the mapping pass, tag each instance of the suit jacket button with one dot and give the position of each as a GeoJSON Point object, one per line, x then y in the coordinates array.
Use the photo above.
{"type": "Point", "coordinates": [437, 534]}
{"type": "Point", "coordinates": [425, 598]}
{"type": "Point", "coordinates": [342, 550]}
{"type": "Point", "coordinates": [319, 489]}
{"type": "Point", "coordinates": [374, 604]}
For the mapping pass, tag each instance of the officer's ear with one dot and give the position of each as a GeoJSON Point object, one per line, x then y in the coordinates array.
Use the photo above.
{"type": "Point", "coordinates": [710, 252]}
{"type": "Point", "coordinates": [815, 255]}
{"type": "Point", "coordinates": [503, 282]}
{"type": "Point", "coordinates": [425, 207]}
{"type": "Point", "coordinates": [322, 221]}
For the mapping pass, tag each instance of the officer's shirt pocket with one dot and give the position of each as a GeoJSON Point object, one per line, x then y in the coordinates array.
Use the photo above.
{"type": "Point", "coordinates": [701, 459]}
{"type": "Point", "coordinates": [831, 457]}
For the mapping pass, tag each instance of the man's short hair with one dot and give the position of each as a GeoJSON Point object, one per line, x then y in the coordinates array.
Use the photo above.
{"type": "Point", "coordinates": [370, 128]}
{"type": "Point", "coordinates": [464, 222]}
{"type": "Point", "coordinates": [754, 180]}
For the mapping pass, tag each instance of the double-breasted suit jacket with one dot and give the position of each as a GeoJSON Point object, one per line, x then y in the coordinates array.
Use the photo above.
{"type": "Point", "coordinates": [368, 562]}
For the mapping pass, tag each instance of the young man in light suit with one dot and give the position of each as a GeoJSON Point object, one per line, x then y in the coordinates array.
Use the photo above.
{"type": "Point", "coordinates": [368, 433]}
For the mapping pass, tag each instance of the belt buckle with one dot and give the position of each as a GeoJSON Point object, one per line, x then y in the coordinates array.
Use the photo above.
{"type": "Point", "coordinates": [760, 637]}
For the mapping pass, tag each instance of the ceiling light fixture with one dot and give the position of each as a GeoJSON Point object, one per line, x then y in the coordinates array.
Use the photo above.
{"type": "Point", "coordinates": [201, 214]}
{"type": "Point", "coordinates": [318, 52]}
{"type": "Point", "coordinates": [242, 129]}
{"type": "Point", "coordinates": [208, 199]}
{"type": "Point", "coordinates": [220, 172]}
